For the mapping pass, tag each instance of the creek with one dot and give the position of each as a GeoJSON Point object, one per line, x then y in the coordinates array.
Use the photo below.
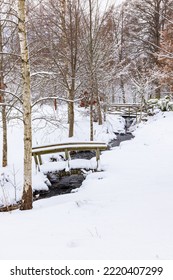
{"type": "Point", "coordinates": [65, 184]}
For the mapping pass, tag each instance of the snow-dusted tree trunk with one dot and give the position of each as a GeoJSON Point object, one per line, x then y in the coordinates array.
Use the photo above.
{"type": "Point", "coordinates": [4, 145]}
{"type": "Point", "coordinates": [70, 12]}
{"type": "Point", "coordinates": [91, 70]}
{"type": "Point", "coordinates": [27, 188]}
{"type": "Point", "coordinates": [71, 114]}
{"type": "Point", "coordinates": [2, 97]}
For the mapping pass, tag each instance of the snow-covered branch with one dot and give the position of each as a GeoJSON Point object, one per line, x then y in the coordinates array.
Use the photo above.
{"type": "Point", "coordinates": [13, 54]}
{"type": "Point", "coordinates": [43, 73]}
{"type": "Point", "coordinates": [55, 98]}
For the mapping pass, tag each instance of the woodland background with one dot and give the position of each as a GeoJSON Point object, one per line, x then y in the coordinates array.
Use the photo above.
{"type": "Point", "coordinates": [116, 53]}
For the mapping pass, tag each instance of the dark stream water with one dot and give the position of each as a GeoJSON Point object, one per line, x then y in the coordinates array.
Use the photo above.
{"type": "Point", "coordinates": [120, 138]}
{"type": "Point", "coordinates": [65, 184]}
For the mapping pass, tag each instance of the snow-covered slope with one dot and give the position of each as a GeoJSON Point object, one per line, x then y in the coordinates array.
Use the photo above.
{"type": "Point", "coordinates": [122, 213]}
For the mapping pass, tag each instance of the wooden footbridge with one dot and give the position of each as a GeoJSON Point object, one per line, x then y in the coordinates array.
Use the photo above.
{"type": "Point", "coordinates": [132, 110]}
{"type": "Point", "coordinates": [38, 151]}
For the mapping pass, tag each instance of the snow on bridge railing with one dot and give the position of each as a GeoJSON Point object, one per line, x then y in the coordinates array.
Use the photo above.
{"type": "Point", "coordinates": [125, 105]}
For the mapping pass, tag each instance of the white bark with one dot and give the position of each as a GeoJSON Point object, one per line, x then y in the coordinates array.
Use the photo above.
{"type": "Point", "coordinates": [27, 188]}
{"type": "Point", "coordinates": [2, 99]}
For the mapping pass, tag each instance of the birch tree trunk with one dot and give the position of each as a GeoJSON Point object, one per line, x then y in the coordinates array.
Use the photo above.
{"type": "Point", "coordinates": [4, 145]}
{"type": "Point", "coordinates": [2, 99]}
{"type": "Point", "coordinates": [27, 188]}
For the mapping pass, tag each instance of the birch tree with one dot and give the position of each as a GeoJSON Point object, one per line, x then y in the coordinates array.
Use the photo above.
{"type": "Point", "coordinates": [2, 100]}
{"type": "Point", "coordinates": [26, 91]}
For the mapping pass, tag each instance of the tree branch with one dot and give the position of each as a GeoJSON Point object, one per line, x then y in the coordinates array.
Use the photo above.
{"type": "Point", "coordinates": [57, 98]}
{"type": "Point", "coordinates": [14, 95]}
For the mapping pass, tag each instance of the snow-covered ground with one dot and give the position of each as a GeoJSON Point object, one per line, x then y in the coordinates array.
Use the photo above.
{"type": "Point", "coordinates": [124, 212]}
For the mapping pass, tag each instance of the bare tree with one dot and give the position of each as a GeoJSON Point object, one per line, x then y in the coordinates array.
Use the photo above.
{"type": "Point", "coordinates": [96, 58]}
{"type": "Point", "coordinates": [7, 31]}
{"type": "Point", "coordinates": [150, 16]}
{"type": "Point", "coordinates": [60, 46]}
{"type": "Point", "coordinates": [165, 55]}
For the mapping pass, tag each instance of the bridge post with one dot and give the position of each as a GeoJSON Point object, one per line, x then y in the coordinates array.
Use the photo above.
{"type": "Point", "coordinates": [67, 158]}
{"type": "Point", "coordinates": [98, 158]}
{"type": "Point", "coordinates": [136, 115]}
{"type": "Point", "coordinates": [40, 159]}
{"type": "Point", "coordinates": [37, 159]}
